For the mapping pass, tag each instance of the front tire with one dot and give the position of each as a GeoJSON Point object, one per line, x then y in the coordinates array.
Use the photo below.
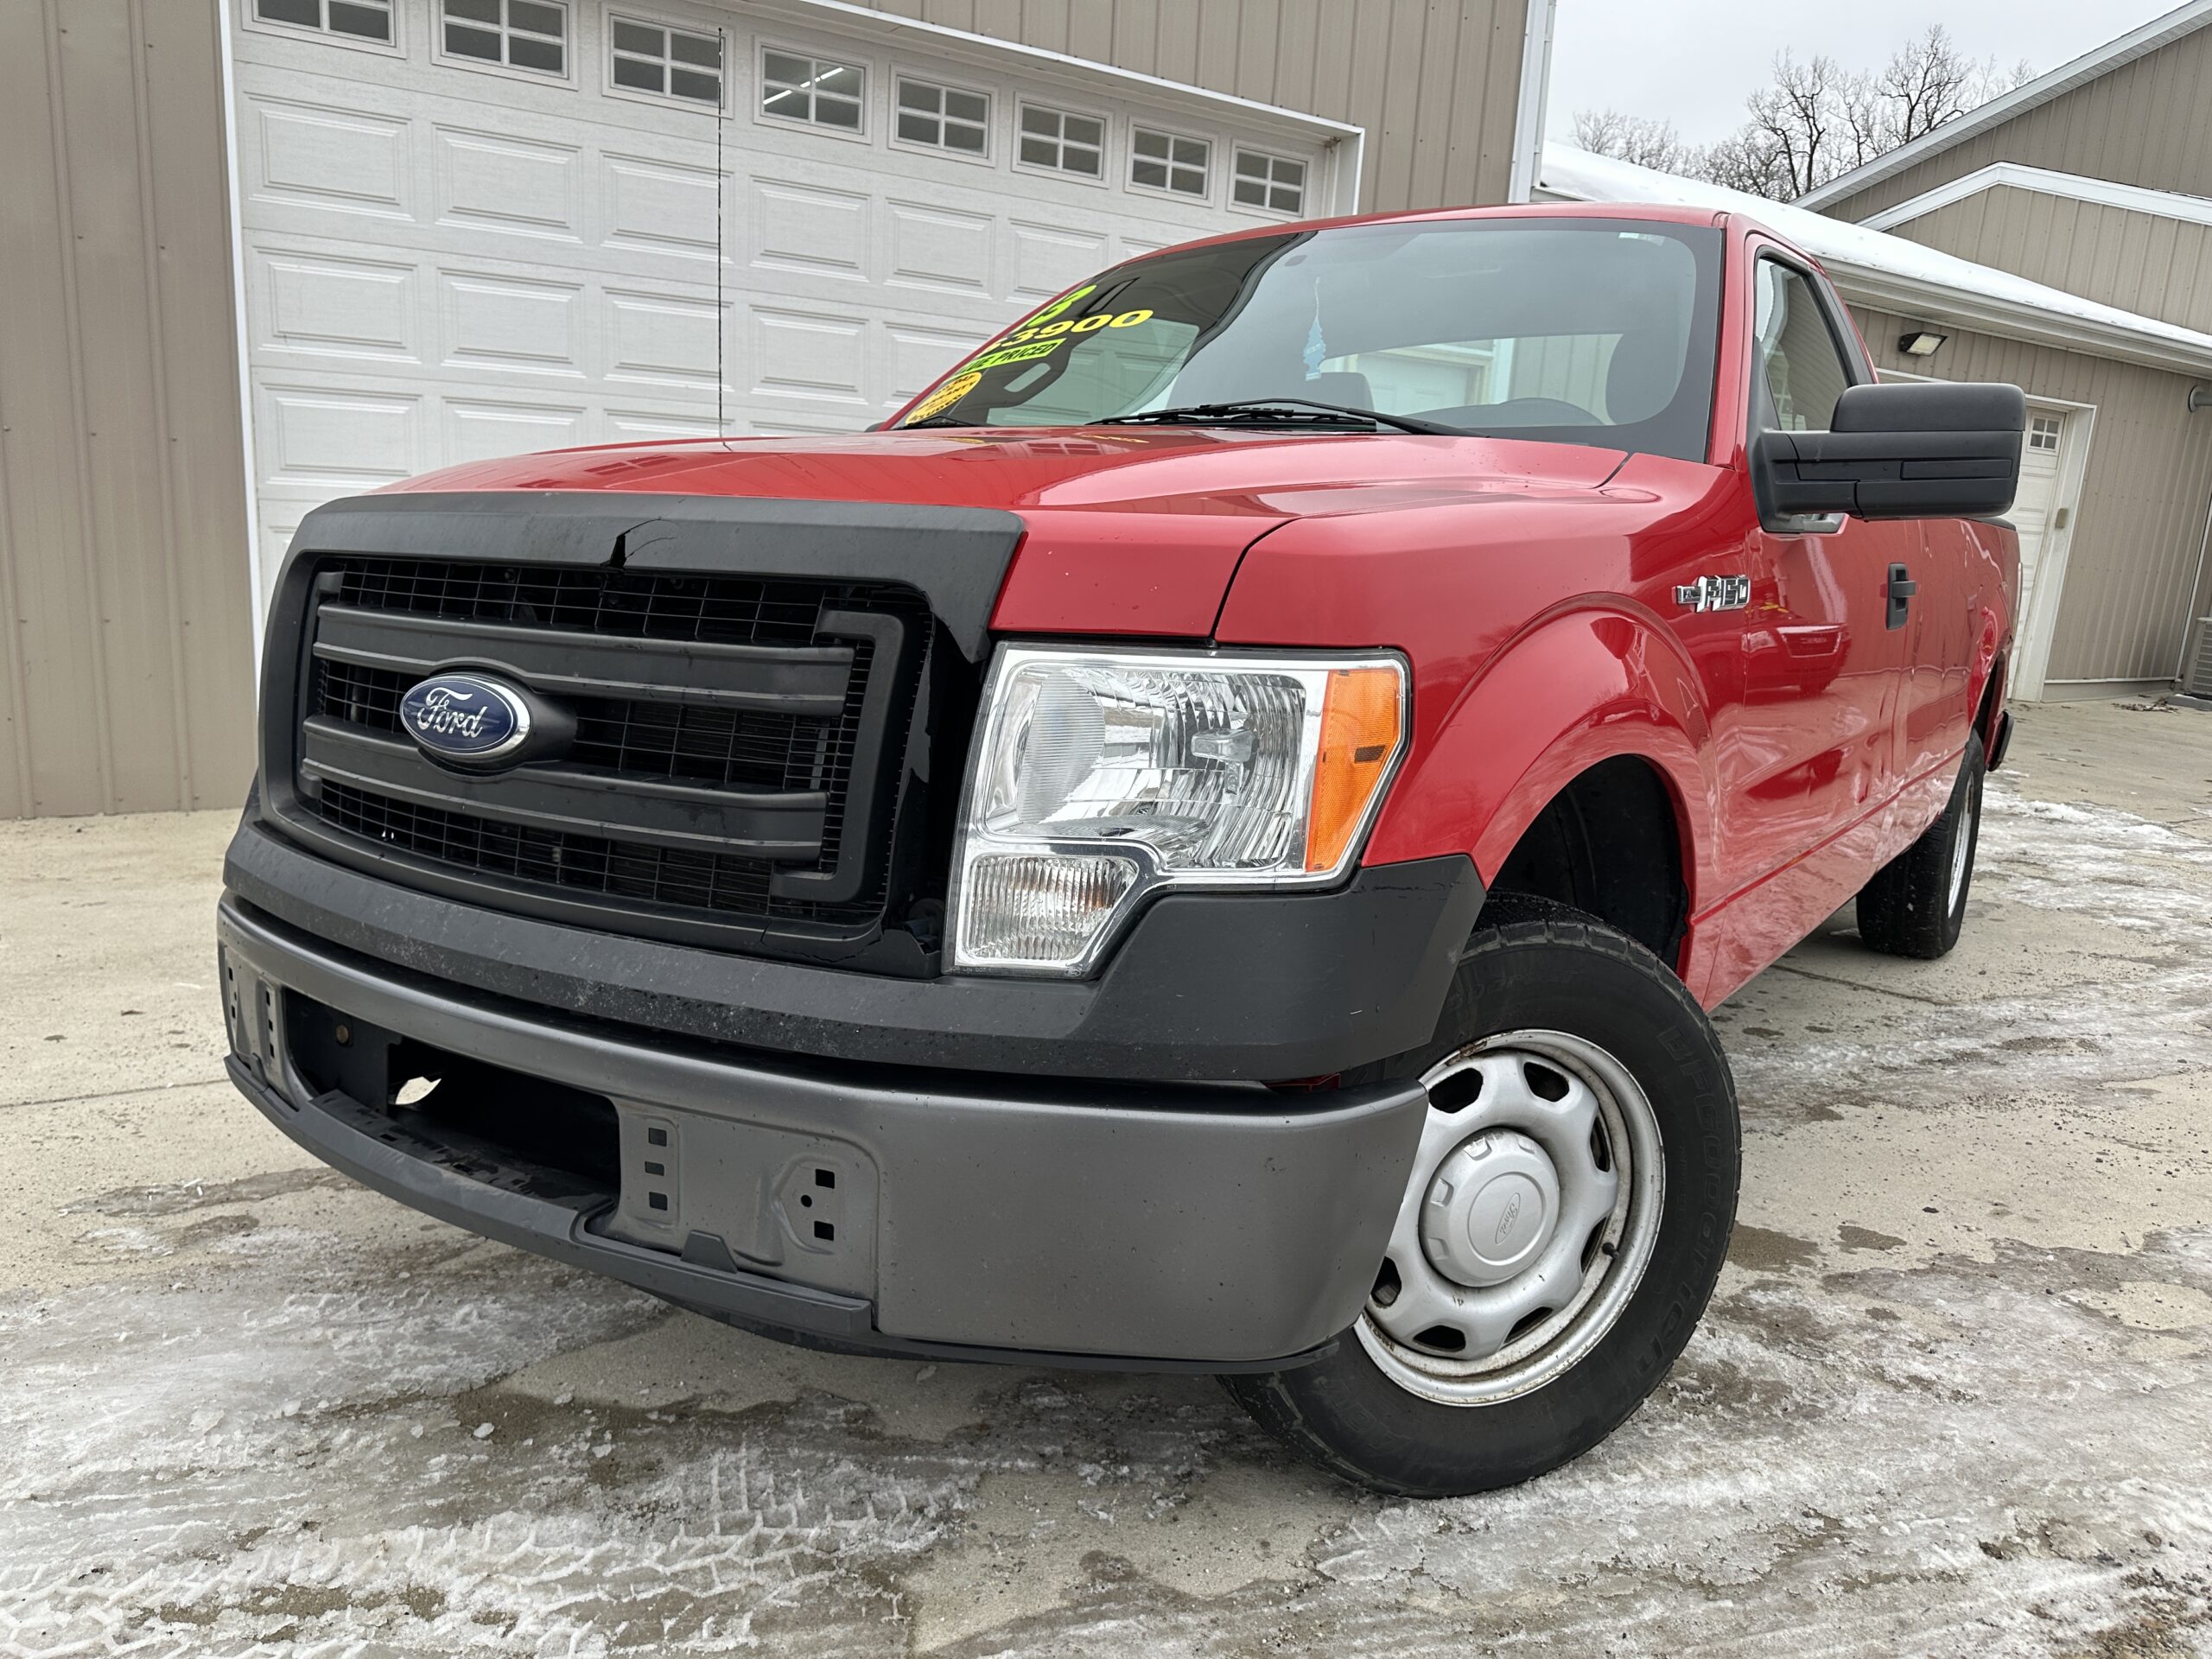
{"type": "Point", "coordinates": [1916, 903]}
{"type": "Point", "coordinates": [1567, 1214]}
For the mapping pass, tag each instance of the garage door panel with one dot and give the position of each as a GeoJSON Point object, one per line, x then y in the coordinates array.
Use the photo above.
{"type": "Point", "coordinates": [658, 207]}
{"type": "Point", "coordinates": [445, 266]}
{"type": "Point", "coordinates": [820, 356]}
{"type": "Point", "coordinates": [945, 250]}
{"type": "Point", "coordinates": [663, 338]}
{"type": "Point", "coordinates": [822, 232]}
{"type": "Point", "coordinates": [508, 187]}
{"type": "Point", "coordinates": [334, 305]}
{"type": "Point", "coordinates": [330, 156]}
{"type": "Point", "coordinates": [481, 429]}
{"type": "Point", "coordinates": [510, 324]}
{"type": "Point", "coordinates": [355, 440]}
{"type": "Point", "coordinates": [655, 426]}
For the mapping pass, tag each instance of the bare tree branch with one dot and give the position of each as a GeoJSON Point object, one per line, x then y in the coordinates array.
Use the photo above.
{"type": "Point", "coordinates": [1634, 138]}
{"type": "Point", "coordinates": [1814, 121]}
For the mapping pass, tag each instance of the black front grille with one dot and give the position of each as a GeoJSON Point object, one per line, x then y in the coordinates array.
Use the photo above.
{"type": "Point", "coordinates": [736, 749]}
{"type": "Point", "coordinates": [575, 863]}
{"type": "Point", "coordinates": [726, 728]}
{"type": "Point", "coordinates": [733, 610]}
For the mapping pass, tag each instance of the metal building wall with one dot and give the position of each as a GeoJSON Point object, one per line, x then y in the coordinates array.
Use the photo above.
{"type": "Point", "coordinates": [2138, 541]}
{"type": "Point", "coordinates": [2147, 122]}
{"type": "Point", "coordinates": [126, 654]}
{"type": "Point", "coordinates": [1434, 82]}
{"type": "Point", "coordinates": [2139, 262]}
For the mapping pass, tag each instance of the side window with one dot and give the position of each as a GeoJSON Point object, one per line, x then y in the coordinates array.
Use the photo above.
{"type": "Point", "coordinates": [1800, 372]}
{"type": "Point", "coordinates": [530, 35]}
{"type": "Point", "coordinates": [795, 88]}
{"type": "Point", "coordinates": [367, 20]}
{"type": "Point", "coordinates": [1061, 141]}
{"type": "Point", "coordinates": [673, 62]}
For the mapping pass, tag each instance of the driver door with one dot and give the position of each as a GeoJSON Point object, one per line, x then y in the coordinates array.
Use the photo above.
{"type": "Point", "coordinates": [1822, 669]}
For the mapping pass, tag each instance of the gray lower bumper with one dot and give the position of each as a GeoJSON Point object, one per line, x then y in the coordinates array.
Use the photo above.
{"type": "Point", "coordinates": [1220, 1226]}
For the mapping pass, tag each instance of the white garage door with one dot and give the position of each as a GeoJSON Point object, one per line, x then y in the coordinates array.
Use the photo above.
{"type": "Point", "coordinates": [476, 228]}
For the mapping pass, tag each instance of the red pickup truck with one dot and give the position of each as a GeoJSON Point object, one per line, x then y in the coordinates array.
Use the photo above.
{"type": "Point", "coordinates": [1206, 845]}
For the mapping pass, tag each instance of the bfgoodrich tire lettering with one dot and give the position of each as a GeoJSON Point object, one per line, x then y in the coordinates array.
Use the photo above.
{"type": "Point", "coordinates": [1540, 968]}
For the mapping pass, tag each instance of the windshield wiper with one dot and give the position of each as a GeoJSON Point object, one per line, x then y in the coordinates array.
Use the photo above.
{"type": "Point", "coordinates": [1265, 411]}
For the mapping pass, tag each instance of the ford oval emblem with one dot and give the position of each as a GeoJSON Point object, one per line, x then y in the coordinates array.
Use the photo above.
{"type": "Point", "coordinates": [468, 720]}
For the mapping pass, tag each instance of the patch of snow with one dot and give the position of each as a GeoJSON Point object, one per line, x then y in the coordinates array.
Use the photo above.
{"type": "Point", "coordinates": [1845, 248]}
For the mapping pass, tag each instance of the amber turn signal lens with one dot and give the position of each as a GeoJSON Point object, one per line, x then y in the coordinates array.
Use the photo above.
{"type": "Point", "coordinates": [1360, 732]}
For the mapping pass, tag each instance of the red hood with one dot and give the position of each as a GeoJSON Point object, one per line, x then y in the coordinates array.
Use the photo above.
{"type": "Point", "coordinates": [1131, 531]}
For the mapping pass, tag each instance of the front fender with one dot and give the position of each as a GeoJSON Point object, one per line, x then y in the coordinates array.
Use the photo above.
{"type": "Point", "coordinates": [1582, 686]}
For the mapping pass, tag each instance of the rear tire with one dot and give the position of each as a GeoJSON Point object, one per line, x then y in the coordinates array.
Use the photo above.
{"type": "Point", "coordinates": [1916, 903]}
{"type": "Point", "coordinates": [1575, 1080]}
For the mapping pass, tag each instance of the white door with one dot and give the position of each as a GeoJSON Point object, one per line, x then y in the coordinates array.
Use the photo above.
{"type": "Point", "coordinates": [478, 227]}
{"type": "Point", "coordinates": [2032, 509]}
{"type": "Point", "coordinates": [2052, 462]}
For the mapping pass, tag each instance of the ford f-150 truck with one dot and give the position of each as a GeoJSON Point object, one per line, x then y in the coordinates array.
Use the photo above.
{"type": "Point", "coordinates": [1206, 843]}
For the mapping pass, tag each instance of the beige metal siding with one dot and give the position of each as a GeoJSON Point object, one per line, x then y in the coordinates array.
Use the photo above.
{"type": "Point", "coordinates": [126, 659]}
{"type": "Point", "coordinates": [2143, 497]}
{"type": "Point", "coordinates": [2147, 122]}
{"type": "Point", "coordinates": [2138, 262]}
{"type": "Point", "coordinates": [1434, 82]}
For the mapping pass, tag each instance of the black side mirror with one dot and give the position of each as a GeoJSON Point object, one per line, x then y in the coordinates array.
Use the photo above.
{"type": "Point", "coordinates": [1929, 450]}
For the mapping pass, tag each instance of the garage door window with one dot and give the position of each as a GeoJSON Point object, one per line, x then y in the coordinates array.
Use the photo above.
{"type": "Point", "coordinates": [531, 35]}
{"type": "Point", "coordinates": [673, 62]}
{"type": "Point", "coordinates": [943, 118]}
{"type": "Point", "coordinates": [813, 90]}
{"type": "Point", "coordinates": [1060, 141]}
{"type": "Point", "coordinates": [1163, 160]}
{"type": "Point", "coordinates": [361, 20]}
{"type": "Point", "coordinates": [1275, 182]}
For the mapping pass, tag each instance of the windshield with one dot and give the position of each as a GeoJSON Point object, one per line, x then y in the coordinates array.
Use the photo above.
{"type": "Point", "coordinates": [1574, 330]}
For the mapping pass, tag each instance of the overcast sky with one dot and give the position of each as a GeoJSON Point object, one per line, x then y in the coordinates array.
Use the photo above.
{"type": "Point", "coordinates": [1692, 61]}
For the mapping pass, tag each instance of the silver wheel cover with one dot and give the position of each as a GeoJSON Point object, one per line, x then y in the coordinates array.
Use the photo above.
{"type": "Point", "coordinates": [1527, 1226]}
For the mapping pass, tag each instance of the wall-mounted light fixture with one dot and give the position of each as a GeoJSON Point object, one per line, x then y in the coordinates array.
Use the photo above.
{"type": "Point", "coordinates": [2200, 397]}
{"type": "Point", "coordinates": [1921, 343]}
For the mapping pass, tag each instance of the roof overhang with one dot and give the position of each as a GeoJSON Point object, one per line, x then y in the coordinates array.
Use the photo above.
{"type": "Point", "coordinates": [1985, 313]}
{"type": "Point", "coordinates": [1888, 273]}
{"type": "Point", "coordinates": [2040, 180]}
{"type": "Point", "coordinates": [2112, 55]}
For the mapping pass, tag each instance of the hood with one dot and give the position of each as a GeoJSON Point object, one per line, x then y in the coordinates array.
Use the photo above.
{"type": "Point", "coordinates": [1130, 530]}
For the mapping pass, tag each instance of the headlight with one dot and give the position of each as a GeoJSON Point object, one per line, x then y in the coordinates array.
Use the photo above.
{"type": "Point", "coordinates": [1099, 777]}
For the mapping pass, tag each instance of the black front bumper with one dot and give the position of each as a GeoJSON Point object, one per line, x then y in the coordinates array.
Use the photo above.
{"type": "Point", "coordinates": [1265, 986]}
{"type": "Point", "coordinates": [1158, 1225]}
{"type": "Point", "coordinates": [1093, 1172]}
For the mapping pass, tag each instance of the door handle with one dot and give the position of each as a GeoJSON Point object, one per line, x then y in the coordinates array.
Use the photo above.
{"type": "Point", "coordinates": [1902, 588]}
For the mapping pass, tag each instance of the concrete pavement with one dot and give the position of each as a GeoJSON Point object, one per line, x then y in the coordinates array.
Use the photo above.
{"type": "Point", "coordinates": [1954, 1395]}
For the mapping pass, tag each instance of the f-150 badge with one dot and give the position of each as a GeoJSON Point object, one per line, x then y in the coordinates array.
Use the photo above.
{"type": "Point", "coordinates": [1715, 593]}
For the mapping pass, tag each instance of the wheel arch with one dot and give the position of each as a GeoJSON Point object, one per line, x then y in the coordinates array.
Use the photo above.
{"type": "Point", "coordinates": [1591, 715]}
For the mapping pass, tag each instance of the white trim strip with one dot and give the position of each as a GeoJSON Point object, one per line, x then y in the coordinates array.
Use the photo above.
{"type": "Point", "coordinates": [2074, 187]}
{"type": "Point", "coordinates": [236, 193]}
{"type": "Point", "coordinates": [2112, 55]}
{"type": "Point", "coordinates": [1984, 313]}
{"type": "Point", "coordinates": [1528, 109]}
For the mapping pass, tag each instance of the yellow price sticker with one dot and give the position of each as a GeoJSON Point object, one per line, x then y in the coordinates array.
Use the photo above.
{"type": "Point", "coordinates": [946, 396]}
